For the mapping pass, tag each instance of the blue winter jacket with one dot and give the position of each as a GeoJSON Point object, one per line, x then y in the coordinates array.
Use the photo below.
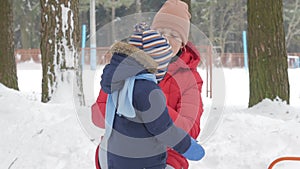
{"type": "Point", "coordinates": [139, 142]}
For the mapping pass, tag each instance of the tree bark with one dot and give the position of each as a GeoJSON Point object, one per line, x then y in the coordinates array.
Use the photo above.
{"type": "Point", "coordinates": [8, 70]}
{"type": "Point", "coordinates": [60, 47]}
{"type": "Point", "coordinates": [47, 49]}
{"type": "Point", "coordinates": [267, 51]}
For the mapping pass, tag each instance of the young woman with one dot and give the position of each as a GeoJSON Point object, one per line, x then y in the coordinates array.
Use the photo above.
{"type": "Point", "coordinates": [182, 84]}
{"type": "Point", "coordinates": [138, 128]}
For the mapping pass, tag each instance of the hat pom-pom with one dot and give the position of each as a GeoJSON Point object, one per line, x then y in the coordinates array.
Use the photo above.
{"type": "Point", "coordinates": [141, 27]}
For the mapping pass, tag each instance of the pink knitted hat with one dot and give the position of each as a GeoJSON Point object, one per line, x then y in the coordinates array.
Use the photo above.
{"type": "Point", "coordinates": [174, 14]}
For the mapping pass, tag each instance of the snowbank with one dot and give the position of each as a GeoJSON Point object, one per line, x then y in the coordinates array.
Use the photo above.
{"type": "Point", "coordinates": [42, 136]}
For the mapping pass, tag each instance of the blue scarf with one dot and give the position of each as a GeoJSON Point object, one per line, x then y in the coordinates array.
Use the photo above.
{"type": "Point", "coordinates": [120, 102]}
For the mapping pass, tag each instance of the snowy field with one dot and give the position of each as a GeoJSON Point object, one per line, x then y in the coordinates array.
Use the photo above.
{"type": "Point", "coordinates": [56, 135]}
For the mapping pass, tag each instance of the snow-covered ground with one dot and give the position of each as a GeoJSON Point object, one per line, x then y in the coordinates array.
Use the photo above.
{"type": "Point", "coordinates": [56, 135]}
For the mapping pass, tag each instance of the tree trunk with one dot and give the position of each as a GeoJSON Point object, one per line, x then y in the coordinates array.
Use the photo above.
{"type": "Point", "coordinates": [138, 6]}
{"type": "Point", "coordinates": [211, 21]}
{"type": "Point", "coordinates": [8, 72]}
{"type": "Point", "coordinates": [267, 52]}
{"type": "Point", "coordinates": [113, 17]}
{"type": "Point", "coordinates": [25, 34]}
{"type": "Point", "coordinates": [60, 48]}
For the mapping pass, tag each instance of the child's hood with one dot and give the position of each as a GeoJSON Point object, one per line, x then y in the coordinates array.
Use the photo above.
{"type": "Point", "coordinates": [126, 61]}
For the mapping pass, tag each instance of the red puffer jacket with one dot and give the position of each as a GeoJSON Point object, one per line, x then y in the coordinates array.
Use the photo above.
{"type": "Point", "coordinates": [182, 87]}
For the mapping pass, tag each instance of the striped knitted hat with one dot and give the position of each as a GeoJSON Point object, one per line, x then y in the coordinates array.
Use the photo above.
{"type": "Point", "coordinates": [152, 43]}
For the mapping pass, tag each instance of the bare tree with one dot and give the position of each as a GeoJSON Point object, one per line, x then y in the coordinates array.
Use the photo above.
{"type": "Point", "coordinates": [60, 48]}
{"type": "Point", "coordinates": [222, 21]}
{"type": "Point", "coordinates": [113, 4]}
{"type": "Point", "coordinates": [138, 6]}
{"type": "Point", "coordinates": [8, 72]}
{"type": "Point", "coordinates": [292, 18]}
{"type": "Point", "coordinates": [26, 23]}
{"type": "Point", "coordinates": [227, 22]}
{"type": "Point", "coordinates": [267, 52]}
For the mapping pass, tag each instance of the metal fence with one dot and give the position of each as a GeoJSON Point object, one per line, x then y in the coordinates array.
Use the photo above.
{"type": "Point", "coordinates": [228, 60]}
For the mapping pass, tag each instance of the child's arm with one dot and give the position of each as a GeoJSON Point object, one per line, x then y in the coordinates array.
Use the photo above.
{"type": "Point", "coordinates": [151, 103]}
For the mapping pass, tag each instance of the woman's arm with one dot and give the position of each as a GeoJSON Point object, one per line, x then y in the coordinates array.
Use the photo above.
{"type": "Point", "coordinates": [189, 107]}
{"type": "Point", "coordinates": [98, 110]}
